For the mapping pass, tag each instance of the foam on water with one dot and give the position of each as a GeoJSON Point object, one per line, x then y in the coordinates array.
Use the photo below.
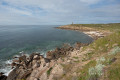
{"type": "Point", "coordinates": [5, 66]}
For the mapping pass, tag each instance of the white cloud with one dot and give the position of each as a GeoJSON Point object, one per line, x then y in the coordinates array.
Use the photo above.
{"type": "Point", "coordinates": [56, 12]}
{"type": "Point", "coordinates": [90, 1]}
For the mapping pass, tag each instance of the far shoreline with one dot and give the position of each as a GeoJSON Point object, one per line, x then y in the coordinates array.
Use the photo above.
{"type": "Point", "coordinates": [91, 32]}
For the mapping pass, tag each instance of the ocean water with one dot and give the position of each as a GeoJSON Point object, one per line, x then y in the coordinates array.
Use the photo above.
{"type": "Point", "coordinates": [34, 38]}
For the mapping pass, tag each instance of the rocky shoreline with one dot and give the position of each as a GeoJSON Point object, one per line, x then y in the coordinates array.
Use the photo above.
{"type": "Point", "coordinates": [92, 32]}
{"type": "Point", "coordinates": [37, 67]}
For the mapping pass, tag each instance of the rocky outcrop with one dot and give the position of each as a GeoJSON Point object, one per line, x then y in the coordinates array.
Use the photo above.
{"type": "Point", "coordinates": [25, 67]}
{"type": "Point", "coordinates": [58, 52]}
{"type": "Point", "coordinates": [36, 67]}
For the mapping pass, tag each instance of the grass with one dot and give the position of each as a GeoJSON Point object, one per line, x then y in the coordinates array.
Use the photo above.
{"type": "Point", "coordinates": [48, 72]}
{"type": "Point", "coordinates": [89, 55]}
{"type": "Point", "coordinates": [84, 72]}
{"type": "Point", "coordinates": [77, 61]}
{"type": "Point", "coordinates": [101, 48]}
{"type": "Point", "coordinates": [111, 27]}
{"type": "Point", "coordinates": [104, 45]}
{"type": "Point", "coordinates": [113, 72]}
{"type": "Point", "coordinates": [75, 57]}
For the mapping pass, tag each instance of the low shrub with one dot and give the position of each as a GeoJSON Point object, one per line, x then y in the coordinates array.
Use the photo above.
{"type": "Point", "coordinates": [115, 50]}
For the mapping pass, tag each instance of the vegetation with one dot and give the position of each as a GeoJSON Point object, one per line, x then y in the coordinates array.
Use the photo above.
{"type": "Point", "coordinates": [109, 47]}
{"type": "Point", "coordinates": [84, 72]}
{"type": "Point", "coordinates": [111, 26]}
{"type": "Point", "coordinates": [102, 62]}
{"type": "Point", "coordinates": [48, 72]}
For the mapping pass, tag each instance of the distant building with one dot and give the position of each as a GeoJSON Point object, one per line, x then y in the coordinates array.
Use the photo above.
{"type": "Point", "coordinates": [72, 22]}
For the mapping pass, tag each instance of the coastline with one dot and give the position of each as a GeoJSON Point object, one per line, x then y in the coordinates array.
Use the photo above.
{"type": "Point", "coordinates": [27, 67]}
{"type": "Point", "coordinates": [92, 32]}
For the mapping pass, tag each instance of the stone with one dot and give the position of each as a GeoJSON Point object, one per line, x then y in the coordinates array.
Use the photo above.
{"type": "Point", "coordinates": [57, 71]}
{"type": "Point", "coordinates": [36, 57]}
{"type": "Point", "coordinates": [2, 76]}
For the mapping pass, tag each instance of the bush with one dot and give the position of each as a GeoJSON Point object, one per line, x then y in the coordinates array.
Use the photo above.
{"type": "Point", "coordinates": [115, 51]}
{"type": "Point", "coordinates": [95, 72]}
{"type": "Point", "coordinates": [99, 69]}
{"type": "Point", "coordinates": [100, 60]}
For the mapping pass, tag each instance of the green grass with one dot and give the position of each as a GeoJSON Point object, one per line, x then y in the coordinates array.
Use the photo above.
{"type": "Point", "coordinates": [48, 72]}
{"type": "Point", "coordinates": [75, 57]}
{"type": "Point", "coordinates": [84, 72]}
{"type": "Point", "coordinates": [111, 27]}
{"type": "Point", "coordinates": [101, 46]}
{"type": "Point", "coordinates": [113, 72]}
{"type": "Point", "coordinates": [77, 61]}
{"type": "Point", "coordinates": [89, 55]}
{"type": "Point", "coordinates": [104, 44]}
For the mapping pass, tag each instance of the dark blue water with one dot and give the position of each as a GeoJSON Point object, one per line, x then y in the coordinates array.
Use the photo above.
{"type": "Point", "coordinates": [14, 39]}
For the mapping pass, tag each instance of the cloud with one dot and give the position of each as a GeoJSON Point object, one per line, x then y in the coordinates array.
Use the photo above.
{"type": "Point", "coordinates": [58, 11]}
{"type": "Point", "coordinates": [90, 1]}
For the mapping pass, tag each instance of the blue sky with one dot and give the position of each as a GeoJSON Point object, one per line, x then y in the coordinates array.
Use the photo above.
{"type": "Point", "coordinates": [58, 12]}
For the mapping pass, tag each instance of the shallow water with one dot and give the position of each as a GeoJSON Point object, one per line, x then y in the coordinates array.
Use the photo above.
{"type": "Point", "coordinates": [34, 38]}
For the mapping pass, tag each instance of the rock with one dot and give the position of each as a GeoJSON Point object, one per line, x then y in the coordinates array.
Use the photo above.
{"type": "Point", "coordinates": [113, 59]}
{"type": "Point", "coordinates": [59, 60]}
{"type": "Point", "coordinates": [43, 76]}
{"type": "Point", "coordinates": [22, 58]}
{"type": "Point", "coordinates": [36, 57]}
{"type": "Point", "coordinates": [13, 64]}
{"type": "Point", "coordinates": [16, 61]}
{"type": "Point", "coordinates": [57, 71]}
{"type": "Point", "coordinates": [12, 75]}
{"type": "Point", "coordinates": [59, 52]}
{"type": "Point", "coordinates": [26, 74]}
{"type": "Point", "coordinates": [68, 61]}
{"type": "Point", "coordinates": [49, 54]}
{"type": "Point", "coordinates": [36, 65]}
{"type": "Point", "coordinates": [78, 45]}
{"type": "Point", "coordinates": [2, 76]}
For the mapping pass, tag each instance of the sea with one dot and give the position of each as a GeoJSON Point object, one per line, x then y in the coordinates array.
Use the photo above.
{"type": "Point", "coordinates": [26, 39]}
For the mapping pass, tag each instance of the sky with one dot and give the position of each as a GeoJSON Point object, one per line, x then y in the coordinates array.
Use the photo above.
{"type": "Point", "coordinates": [58, 12]}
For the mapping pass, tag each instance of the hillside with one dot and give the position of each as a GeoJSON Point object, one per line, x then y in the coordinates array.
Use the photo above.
{"type": "Point", "coordinates": [102, 56]}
